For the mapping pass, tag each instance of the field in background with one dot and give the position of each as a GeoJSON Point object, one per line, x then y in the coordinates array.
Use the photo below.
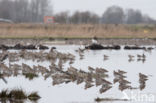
{"type": "Point", "coordinates": [77, 31]}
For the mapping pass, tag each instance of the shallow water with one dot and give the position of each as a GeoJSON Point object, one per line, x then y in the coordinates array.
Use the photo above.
{"type": "Point", "coordinates": [73, 93]}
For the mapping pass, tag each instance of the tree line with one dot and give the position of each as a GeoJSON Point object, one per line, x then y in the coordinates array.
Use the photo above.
{"type": "Point", "coordinates": [35, 10]}
{"type": "Point", "coordinates": [113, 15]}
{"type": "Point", "coordinates": [24, 10]}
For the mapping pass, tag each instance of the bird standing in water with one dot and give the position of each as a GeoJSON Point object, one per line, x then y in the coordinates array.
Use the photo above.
{"type": "Point", "coordinates": [142, 80]}
{"type": "Point", "coordinates": [4, 57]}
{"type": "Point", "coordinates": [94, 40]}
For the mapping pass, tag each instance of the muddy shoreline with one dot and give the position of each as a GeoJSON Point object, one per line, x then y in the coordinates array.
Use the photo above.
{"type": "Point", "coordinates": [79, 41]}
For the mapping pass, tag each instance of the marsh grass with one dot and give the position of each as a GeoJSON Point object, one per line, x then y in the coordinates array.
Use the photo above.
{"type": "Point", "coordinates": [4, 94]}
{"type": "Point", "coordinates": [18, 94]}
{"type": "Point", "coordinates": [98, 99]}
{"type": "Point", "coordinates": [30, 76]}
{"type": "Point", "coordinates": [108, 99]}
{"type": "Point", "coordinates": [34, 96]}
{"type": "Point", "coordinates": [77, 31]}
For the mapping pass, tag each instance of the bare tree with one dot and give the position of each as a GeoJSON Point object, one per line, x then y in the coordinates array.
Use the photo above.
{"type": "Point", "coordinates": [113, 15]}
{"type": "Point", "coordinates": [4, 12]}
{"type": "Point", "coordinates": [134, 16]}
{"type": "Point", "coordinates": [84, 17]}
{"type": "Point", "coordinates": [35, 10]}
{"type": "Point", "coordinates": [62, 17]}
{"type": "Point", "coordinates": [25, 10]}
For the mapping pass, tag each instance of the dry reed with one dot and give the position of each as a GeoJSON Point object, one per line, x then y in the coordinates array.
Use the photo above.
{"type": "Point", "coordinates": [77, 31]}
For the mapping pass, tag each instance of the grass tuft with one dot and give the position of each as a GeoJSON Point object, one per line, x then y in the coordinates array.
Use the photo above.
{"type": "Point", "coordinates": [18, 94]}
{"type": "Point", "coordinates": [98, 99]}
{"type": "Point", "coordinates": [4, 94]}
{"type": "Point", "coordinates": [30, 76]}
{"type": "Point", "coordinates": [34, 96]}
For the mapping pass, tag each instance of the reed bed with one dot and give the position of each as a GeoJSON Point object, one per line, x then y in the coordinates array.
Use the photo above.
{"type": "Point", "coordinates": [77, 31]}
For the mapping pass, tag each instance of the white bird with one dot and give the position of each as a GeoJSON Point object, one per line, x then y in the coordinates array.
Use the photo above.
{"type": "Point", "coordinates": [94, 41]}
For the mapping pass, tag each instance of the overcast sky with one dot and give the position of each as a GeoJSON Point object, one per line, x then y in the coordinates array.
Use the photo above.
{"type": "Point", "coordinates": [99, 6]}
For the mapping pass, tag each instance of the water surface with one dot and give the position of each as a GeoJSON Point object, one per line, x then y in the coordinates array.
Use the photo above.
{"type": "Point", "coordinates": [73, 93]}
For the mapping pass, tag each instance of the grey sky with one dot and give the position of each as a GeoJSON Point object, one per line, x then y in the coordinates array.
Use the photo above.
{"type": "Point", "coordinates": [99, 6]}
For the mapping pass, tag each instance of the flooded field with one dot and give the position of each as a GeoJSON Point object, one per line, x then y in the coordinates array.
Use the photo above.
{"type": "Point", "coordinates": [69, 75]}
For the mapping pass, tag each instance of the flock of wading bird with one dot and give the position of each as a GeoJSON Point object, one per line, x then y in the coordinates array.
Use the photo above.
{"type": "Point", "coordinates": [56, 71]}
{"type": "Point", "coordinates": [131, 58]}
